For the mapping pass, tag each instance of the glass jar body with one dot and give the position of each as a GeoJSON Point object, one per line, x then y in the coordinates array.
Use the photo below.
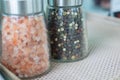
{"type": "Point", "coordinates": [25, 48]}
{"type": "Point", "coordinates": [67, 33]}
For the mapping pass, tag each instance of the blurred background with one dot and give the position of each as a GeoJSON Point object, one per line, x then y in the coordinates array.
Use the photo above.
{"type": "Point", "coordinates": [103, 7]}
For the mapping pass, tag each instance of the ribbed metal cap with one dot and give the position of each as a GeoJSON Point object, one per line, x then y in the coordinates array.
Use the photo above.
{"type": "Point", "coordinates": [22, 7]}
{"type": "Point", "coordinates": [61, 3]}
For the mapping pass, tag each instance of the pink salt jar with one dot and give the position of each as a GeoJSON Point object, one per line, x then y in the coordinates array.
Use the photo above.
{"type": "Point", "coordinates": [25, 48]}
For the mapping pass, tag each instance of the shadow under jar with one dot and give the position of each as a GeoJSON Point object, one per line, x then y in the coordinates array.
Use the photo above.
{"type": "Point", "coordinates": [68, 36]}
{"type": "Point", "coordinates": [25, 48]}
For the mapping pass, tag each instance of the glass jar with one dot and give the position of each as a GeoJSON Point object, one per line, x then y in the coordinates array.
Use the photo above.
{"type": "Point", "coordinates": [25, 48]}
{"type": "Point", "coordinates": [67, 33]}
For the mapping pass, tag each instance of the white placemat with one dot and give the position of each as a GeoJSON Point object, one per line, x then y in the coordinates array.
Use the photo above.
{"type": "Point", "coordinates": [103, 63]}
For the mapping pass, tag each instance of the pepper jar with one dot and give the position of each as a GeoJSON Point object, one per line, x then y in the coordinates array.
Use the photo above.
{"type": "Point", "coordinates": [68, 35]}
{"type": "Point", "coordinates": [25, 48]}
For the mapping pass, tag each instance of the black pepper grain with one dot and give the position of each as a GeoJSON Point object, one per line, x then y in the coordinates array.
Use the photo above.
{"type": "Point", "coordinates": [67, 34]}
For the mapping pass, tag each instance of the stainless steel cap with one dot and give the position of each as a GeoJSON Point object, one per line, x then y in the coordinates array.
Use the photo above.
{"type": "Point", "coordinates": [61, 3]}
{"type": "Point", "coordinates": [22, 7]}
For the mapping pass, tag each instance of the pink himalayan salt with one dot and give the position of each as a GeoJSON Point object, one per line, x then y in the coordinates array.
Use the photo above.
{"type": "Point", "coordinates": [24, 45]}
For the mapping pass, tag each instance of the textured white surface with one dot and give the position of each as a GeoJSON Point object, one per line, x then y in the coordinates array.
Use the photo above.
{"type": "Point", "coordinates": [103, 63]}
